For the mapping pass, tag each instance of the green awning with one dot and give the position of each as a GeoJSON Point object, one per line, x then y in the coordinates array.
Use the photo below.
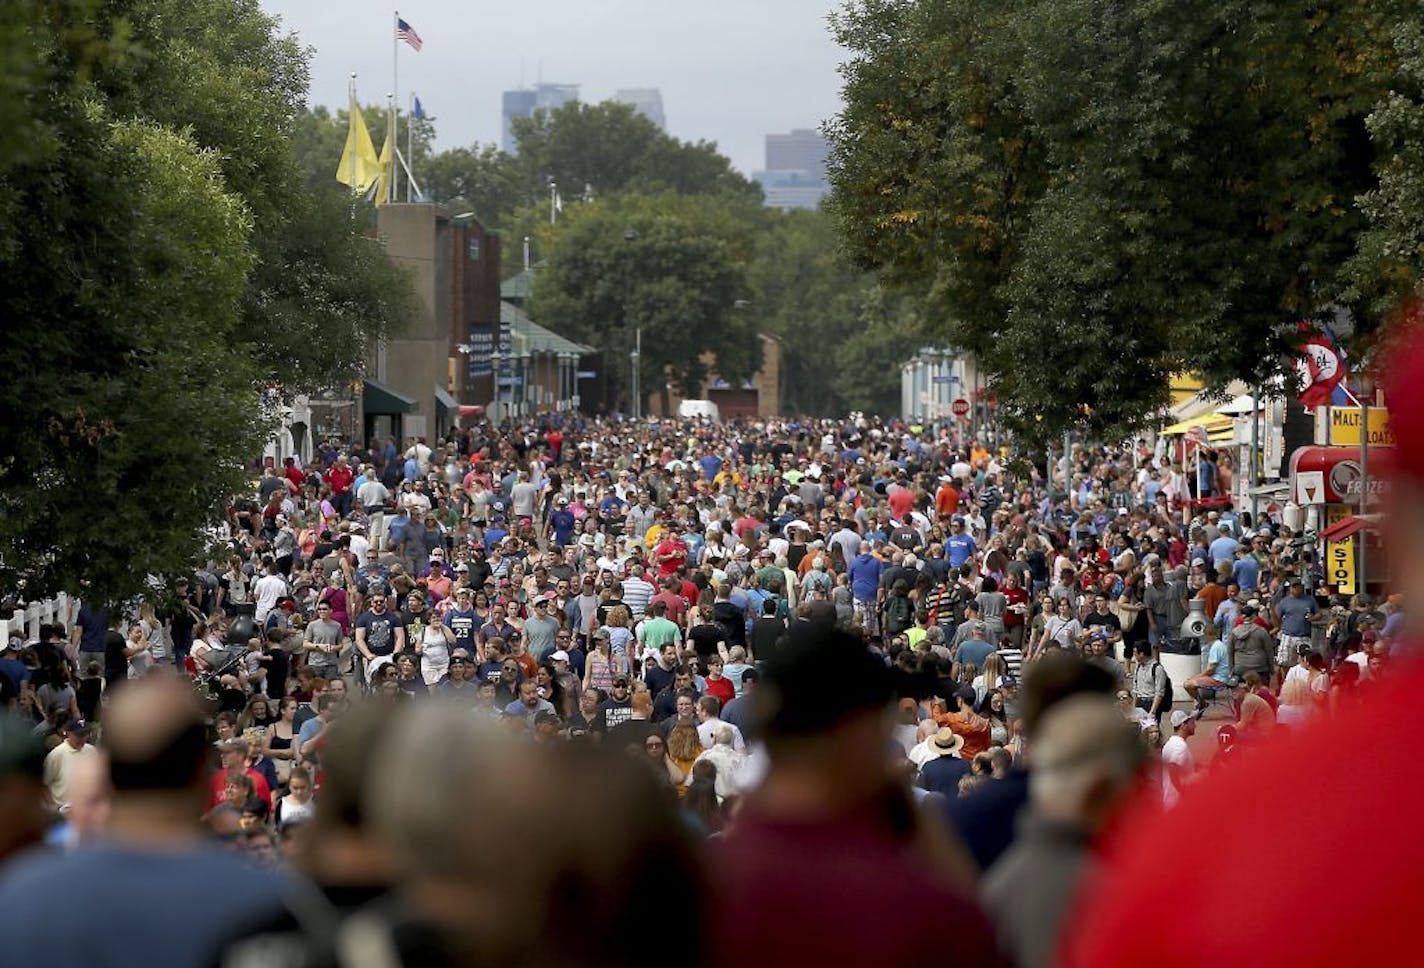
{"type": "Point", "coordinates": [379, 399]}
{"type": "Point", "coordinates": [446, 403]}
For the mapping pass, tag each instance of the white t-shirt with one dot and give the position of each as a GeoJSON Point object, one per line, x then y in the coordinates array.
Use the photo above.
{"type": "Point", "coordinates": [269, 588]}
{"type": "Point", "coordinates": [59, 767]}
{"type": "Point", "coordinates": [1175, 752]}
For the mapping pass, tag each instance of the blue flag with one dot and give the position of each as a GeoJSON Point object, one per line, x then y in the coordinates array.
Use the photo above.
{"type": "Point", "coordinates": [419, 110]}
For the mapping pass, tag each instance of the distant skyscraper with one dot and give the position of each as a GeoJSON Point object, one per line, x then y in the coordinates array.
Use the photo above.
{"type": "Point", "coordinates": [802, 150]}
{"type": "Point", "coordinates": [648, 101]}
{"type": "Point", "coordinates": [795, 175]}
{"type": "Point", "coordinates": [523, 102]}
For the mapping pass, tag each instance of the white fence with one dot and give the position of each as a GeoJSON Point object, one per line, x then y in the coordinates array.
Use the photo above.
{"type": "Point", "coordinates": [27, 620]}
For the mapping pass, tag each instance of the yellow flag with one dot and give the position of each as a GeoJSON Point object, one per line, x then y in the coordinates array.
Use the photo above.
{"type": "Point", "coordinates": [385, 164]}
{"type": "Point", "coordinates": [359, 166]}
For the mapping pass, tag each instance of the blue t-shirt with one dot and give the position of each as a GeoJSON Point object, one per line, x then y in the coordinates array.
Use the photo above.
{"type": "Point", "coordinates": [463, 626]}
{"type": "Point", "coordinates": [942, 774]}
{"type": "Point", "coordinates": [1246, 573]}
{"type": "Point", "coordinates": [1217, 654]}
{"type": "Point", "coordinates": [1295, 615]}
{"type": "Point", "coordinates": [151, 907]}
{"type": "Point", "coordinates": [711, 465]}
{"type": "Point", "coordinates": [865, 577]}
{"type": "Point", "coordinates": [562, 522]}
{"type": "Point", "coordinates": [959, 548]}
{"type": "Point", "coordinates": [974, 651]}
{"type": "Point", "coordinates": [1222, 549]}
{"type": "Point", "coordinates": [93, 625]}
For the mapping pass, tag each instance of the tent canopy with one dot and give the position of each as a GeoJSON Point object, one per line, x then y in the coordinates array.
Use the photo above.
{"type": "Point", "coordinates": [1213, 423]}
{"type": "Point", "coordinates": [379, 399]}
{"type": "Point", "coordinates": [445, 402]}
{"type": "Point", "coordinates": [1348, 525]}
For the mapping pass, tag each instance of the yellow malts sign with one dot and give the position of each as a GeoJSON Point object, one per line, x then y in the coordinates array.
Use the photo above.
{"type": "Point", "coordinates": [1345, 426]}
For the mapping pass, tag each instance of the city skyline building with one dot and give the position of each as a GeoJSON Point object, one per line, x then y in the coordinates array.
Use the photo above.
{"type": "Point", "coordinates": [523, 102]}
{"type": "Point", "coordinates": [795, 173]}
{"type": "Point", "coordinates": [647, 101]}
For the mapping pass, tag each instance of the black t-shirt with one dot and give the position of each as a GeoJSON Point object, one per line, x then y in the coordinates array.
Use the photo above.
{"type": "Point", "coordinates": [1108, 621]}
{"type": "Point", "coordinates": [907, 538]}
{"type": "Point", "coordinates": [632, 732]}
{"type": "Point", "coordinates": [613, 713]}
{"type": "Point", "coordinates": [730, 618]}
{"type": "Point", "coordinates": [704, 638]}
{"type": "Point", "coordinates": [115, 663]}
{"type": "Point", "coordinates": [766, 632]}
{"type": "Point", "coordinates": [605, 607]}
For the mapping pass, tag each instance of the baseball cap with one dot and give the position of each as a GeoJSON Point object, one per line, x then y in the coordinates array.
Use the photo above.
{"type": "Point", "coordinates": [1179, 717]}
{"type": "Point", "coordinates": [560, 656]}
{"type": "Point", "coordinates": [78, 727]}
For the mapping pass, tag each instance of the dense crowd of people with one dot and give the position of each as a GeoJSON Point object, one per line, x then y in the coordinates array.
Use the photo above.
{"type": "Point", "coordinates": [550, 693]}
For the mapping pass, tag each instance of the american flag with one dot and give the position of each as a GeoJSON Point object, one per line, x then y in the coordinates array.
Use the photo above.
{"type": "Point", "coordinates": [406, 32]}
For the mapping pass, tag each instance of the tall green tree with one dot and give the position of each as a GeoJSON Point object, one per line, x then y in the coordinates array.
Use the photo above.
{"type": "Point", "coordinates": [1098, 193]}
{"type": "Point", "coordinates": [317, 298]}
{"type": "Point", "coordinates": [825, 314]}
{"type": "Point", "coordinates": [161, 263]}
{"type": "Point", "coordinates": [672, 266]}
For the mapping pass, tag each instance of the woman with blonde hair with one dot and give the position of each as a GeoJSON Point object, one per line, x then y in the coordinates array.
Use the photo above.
{"type": "Point", "coordinates": [683, 748]}
{"type": "Point", "coordinates": [620, 628]}
{"type": "Point", "coordinates": [988, 680]}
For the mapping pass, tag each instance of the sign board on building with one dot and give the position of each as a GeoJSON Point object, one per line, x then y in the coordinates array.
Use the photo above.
{"type": "Point", "coordinates": [1340, 468]}
{"type": "Point", "coordinates": [1345, 424]}
{"type": "Point", "coordinates": [1310, 487]}
{"type": "Point", "coordinates": [1340, 555]}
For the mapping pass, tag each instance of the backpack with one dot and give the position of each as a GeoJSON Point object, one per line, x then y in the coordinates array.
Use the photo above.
{"type": "Point", "coordinates": [1166, 708]}
{"type": "Point", "coordinates": [898, 614]}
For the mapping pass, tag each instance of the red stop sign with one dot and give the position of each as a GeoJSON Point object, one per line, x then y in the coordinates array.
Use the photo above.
{"type": "Point", "coordinates": [960, 407]}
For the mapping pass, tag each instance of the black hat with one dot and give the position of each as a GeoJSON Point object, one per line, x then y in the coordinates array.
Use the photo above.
{"type": "Point", "coordinates": [818, 678]}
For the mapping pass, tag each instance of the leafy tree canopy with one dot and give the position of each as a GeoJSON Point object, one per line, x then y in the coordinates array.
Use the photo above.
{"type": "Point", "coordinates": [161, 263]}
{"type": "Point", "coordinates": [674, 266]}
{"type": "Point", "coordinates": [1098, 193]}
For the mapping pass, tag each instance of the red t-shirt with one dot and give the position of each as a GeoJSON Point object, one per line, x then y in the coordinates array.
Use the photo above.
{"type": "Point", "coordinates": [219, 783]}
{"type": "Point", "coordinates": [902, 502]}
{"type": "Point", "coordinates": [858, 892]}
{"type": "Point", "coordinates": [721, 688]}
{"type": "Point", "coordinates": [1194, 917]}
{"type": "Point", "coordinates": [670, 546]}
{"type": "Point", "coordinates": [676, 607]}
{"type": "Point", "coordinates": [1014, 596]}
{"type": "Point", "coordinates": [340, 479]}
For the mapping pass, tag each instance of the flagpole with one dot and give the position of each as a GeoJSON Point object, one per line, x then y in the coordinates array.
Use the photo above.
{"type": "Point", "coordinates": [410, 144]}
{"type": "Point", "coordinates": [395, 97]}
{"type": "Point", "coordinates": [350, 105]}
{"type": "Point", "coordinates": [553, 199]}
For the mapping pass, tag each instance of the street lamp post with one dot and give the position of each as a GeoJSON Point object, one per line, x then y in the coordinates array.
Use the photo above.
{"type": "Point", "coordinates": [637, 377]}
{"type": "Point", "coordinates": [494, 377]}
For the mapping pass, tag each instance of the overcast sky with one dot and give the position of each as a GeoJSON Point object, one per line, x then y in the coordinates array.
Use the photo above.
{"type": "Point", "coordinates": [730, 71]}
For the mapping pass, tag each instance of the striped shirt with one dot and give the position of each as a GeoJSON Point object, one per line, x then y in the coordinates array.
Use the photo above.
{"type": "Point", "coordinates": [1013, 661]}
{"type": "Point", "coordinates": [636, 595]}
